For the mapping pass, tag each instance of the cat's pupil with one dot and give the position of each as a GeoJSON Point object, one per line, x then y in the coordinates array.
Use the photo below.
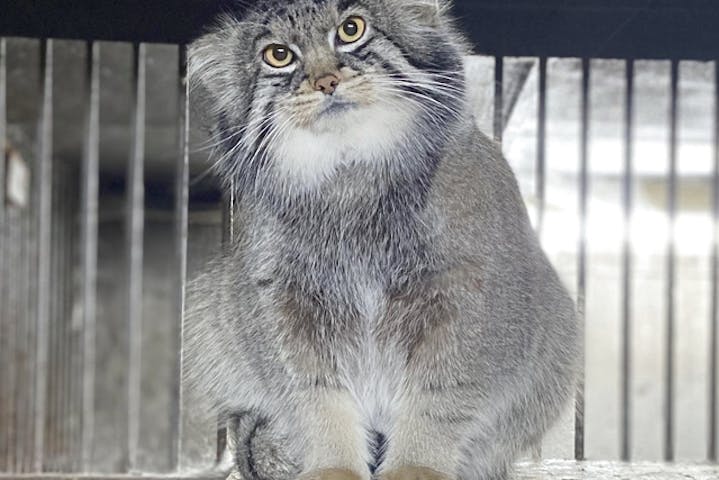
{"type": "Point", "coordinates": [280, 54]}
{"type": "Point", "coordinates": [351, 28]}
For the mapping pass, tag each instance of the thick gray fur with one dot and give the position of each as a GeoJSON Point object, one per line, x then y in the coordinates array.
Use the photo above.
{"type": "Point", "coordinates": [391, 287]}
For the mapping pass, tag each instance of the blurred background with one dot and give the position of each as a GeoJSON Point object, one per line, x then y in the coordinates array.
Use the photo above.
{"type": "Point", "coordinates": [616, 159]}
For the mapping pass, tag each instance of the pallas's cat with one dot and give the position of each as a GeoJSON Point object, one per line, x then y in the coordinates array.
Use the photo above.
{"type": "Point", "coordinates": [386, 310]}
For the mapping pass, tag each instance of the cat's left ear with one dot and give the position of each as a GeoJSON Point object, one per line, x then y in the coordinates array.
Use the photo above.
{"type": "Point", "coordinates": [428, 12]}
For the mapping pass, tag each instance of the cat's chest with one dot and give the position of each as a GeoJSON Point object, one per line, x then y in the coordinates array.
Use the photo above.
{"type": "Point", "coordinates": [372, 367]}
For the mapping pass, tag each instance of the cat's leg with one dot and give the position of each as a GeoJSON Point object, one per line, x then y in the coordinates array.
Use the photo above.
{"type": "Point", "coordinates": [426, 440]}
{"type": "Point", "coordinates": [467, 407]}
{"type": "Point", "coordinates": [514, 419]}
{"type": "Point", "coordinates": [334, 441]}
{"type": "Point", "coordinates": [475, 431]}
{"type": "Point", "coordinates": [452, 432]}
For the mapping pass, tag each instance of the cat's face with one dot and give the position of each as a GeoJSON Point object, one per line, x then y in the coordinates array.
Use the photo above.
{"type": "Point", "coordinates": [297, 88]}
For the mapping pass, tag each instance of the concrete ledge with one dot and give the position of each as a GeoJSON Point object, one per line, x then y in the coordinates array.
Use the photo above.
{"type": "Point", "coordinates": [569, 470]}
{"type": "Point", "coordinates": [549, 470]}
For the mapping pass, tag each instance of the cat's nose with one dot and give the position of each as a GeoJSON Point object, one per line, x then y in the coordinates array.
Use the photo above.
{"type": "Point", "coordinates": [327, 83]}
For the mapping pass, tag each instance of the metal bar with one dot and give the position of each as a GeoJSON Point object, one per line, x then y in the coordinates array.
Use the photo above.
{"type": "Point", "coordinates": [134, 246]}
{"type": "Point", "coordinates": [671, 269]}
{"type": "Point", "coordinates": [498, 98]}
{"type": "Point", "coordinates": [541, 146]}
{"type": "Point", "coordinates": [90, 208]}
{"type": "Point", "coordinates": [63, 348]}
{"type": "Point", "coordinates": [76, 339]}
{"type": "Point", "coordinates": [182, 199]}
{"type": "Point", "coordinates": [582, 254]}
{"type": "Point", "coordinates": [228, 238]}
{"type": "Point", "coordinates": [7, 391]}
{"type": "Point", "coordinates": [61, 210]}
{"type": "Point", "coordinates": [44, 228]}
{"type": "Point", "coordinates": [714, 319]}
{"type": "Point", "coordinates": [25, 241]}
{"type": "Point", "coordinates": [12, 382]}
{"type": "Point", "coordinates": [221, 438]}
{"type": "Point", "coordinates": [540, 181]}
{"type": "Point", "coordinates": [74, 351]}
{"type": "Point", "coordinates": [25, 315]}
{"type": "Point", "coordinates": [228, 216]}
{"type": "Point", "coordinates": [627, 194]}
{"type": "Point", "coordinates": [55, 415]}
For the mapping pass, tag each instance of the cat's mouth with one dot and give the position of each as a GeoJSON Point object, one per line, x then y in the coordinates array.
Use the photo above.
{"type": "Point", "coordinates": [334, 105]}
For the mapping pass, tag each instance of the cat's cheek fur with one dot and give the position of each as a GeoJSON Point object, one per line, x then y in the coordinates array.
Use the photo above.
{"type": "Point", "coordinates": [306, 157]}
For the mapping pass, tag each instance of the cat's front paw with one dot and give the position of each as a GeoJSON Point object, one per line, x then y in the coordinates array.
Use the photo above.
{"type": "Point", "coordinates": [330, 474]}
{"type": "Point", "coordinates": [413, 473]}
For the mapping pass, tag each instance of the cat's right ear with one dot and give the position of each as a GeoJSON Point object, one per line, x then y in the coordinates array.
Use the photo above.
{"type": "Point", "coordinates": [210, 58]}
{"type": "Point", "coordinates": [427, 12]}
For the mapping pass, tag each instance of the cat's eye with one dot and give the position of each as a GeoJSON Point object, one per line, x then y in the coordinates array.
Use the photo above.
{"type": "Point", "coordinates": [351, 30]}
{"type": "Point", "coordinates": [278, 56]}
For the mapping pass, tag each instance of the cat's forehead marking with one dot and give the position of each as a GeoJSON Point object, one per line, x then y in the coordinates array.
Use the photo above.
{"type": "Point", "coordinates": [306, 16]}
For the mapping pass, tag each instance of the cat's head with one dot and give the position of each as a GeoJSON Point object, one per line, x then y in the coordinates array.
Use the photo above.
{"type": "Point", "coordinates": [295, 88]}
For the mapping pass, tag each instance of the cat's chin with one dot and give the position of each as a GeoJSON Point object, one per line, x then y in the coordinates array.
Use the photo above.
{"type": "Point", "coordinates": [335, 115]}
{"type": "Point", "coordinates": [334, 106]}
{"type": "Point", "coordinates": [307, 156]}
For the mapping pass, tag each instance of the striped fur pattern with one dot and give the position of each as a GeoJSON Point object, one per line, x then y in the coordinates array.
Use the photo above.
{"type": "Point", "coordinates": [386, 310]}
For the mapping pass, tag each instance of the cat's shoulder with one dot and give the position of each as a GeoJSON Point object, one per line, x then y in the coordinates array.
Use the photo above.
{"type": "Point", "coordinates": [473, 167]}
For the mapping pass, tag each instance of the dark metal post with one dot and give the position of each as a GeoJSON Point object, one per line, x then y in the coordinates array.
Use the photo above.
{"type": "Point", "coordinates": [90, 205]}
{"type": "Point", "coordinates": [627, 194]}
{"type": "Point", "coordinates": [714, 319]}
{"type": "Point", "coordinates": [6, 392]}
{"type": "Point", "coordinates": [44, 229]}
{"type": "Point", "coordinates": [135, 238]}
{"type": "Point", "coordinates": [498, 126]}
{"type": "Point", "coordinates": [182, 194]}
{"type": "Point", "coordinates": [541, 146]}
{"type": "Point", "coordinates": [671, 269]}
{"type": "Point", "coordinates": [582, 254]}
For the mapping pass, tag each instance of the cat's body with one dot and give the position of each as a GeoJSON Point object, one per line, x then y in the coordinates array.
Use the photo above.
{"type": "Point", "coordinates": [387, 303]}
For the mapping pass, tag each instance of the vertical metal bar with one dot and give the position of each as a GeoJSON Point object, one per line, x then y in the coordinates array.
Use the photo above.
{"type": "Point", "coordinates": [73, 345]}
{"type": "Point", "coordinates": [56, 418]}
{"type": "Point", "coordinates": [134, 246]}
{"type": "Point", "coordinates": [714, 319]}
{"type": "Point", "coordinates": [221, 438]}
{"type": "Point", "coordinates": [25, 313]}
{"type": "Point", "coordinates": [541, 145]}
{"type": "Point", "coordinates": [498, 98]}
{"type": "Point", "coordinates": [228, 216]}
{"type": "Point", "coordinates": [62, 348]}
{"type": "Point", "coordinates": [44, 226]}
{"type": "Point", "coordinates": [7, 391]}
{"type": "Point", "coordinates": [671, 269]}
{"type": "Point", "coordinates": [627, 194]}
{"type": "Point", "coordinates": [228, 238]}
{"type": "Point", "coordinates": [182, 199]}
{"type": "Point", "coordinates": [12, 383]}
{"type": "Point", "coordinates": [541, 168]}
{"type": "Point", "coordinates": [90, 207]}
{"type": "Point", "coordinates": [582, 254]}
{"type": "Point", "coordinates": [74, 242]}
{"type": "Point", "coordinates": [59, 368]}
{"type": "Point", "coordinates": [54, 409]}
